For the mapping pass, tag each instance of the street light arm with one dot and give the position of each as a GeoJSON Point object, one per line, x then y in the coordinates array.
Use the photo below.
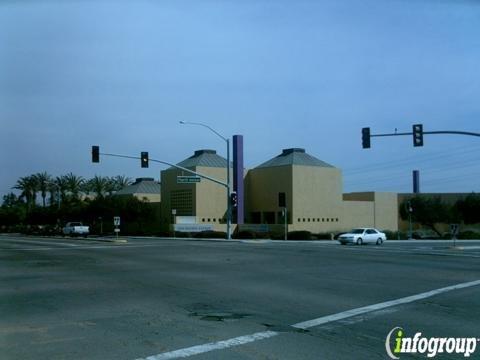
{"type": "Point", "coordinates": [205, 126]}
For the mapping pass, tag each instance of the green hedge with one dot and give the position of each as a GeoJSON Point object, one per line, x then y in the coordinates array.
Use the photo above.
{"type": "Point", "coordinates": [210, 235]}
{"type": "Point", "coordinates": [299, 235]}
{"type": "Point", "coordinates": [468, 235]}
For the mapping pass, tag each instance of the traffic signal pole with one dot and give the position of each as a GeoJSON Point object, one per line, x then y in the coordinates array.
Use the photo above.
{"type": "Point", "coordinates": [229, 203]}
{"type": "Point", "coordinates": [144, 159]}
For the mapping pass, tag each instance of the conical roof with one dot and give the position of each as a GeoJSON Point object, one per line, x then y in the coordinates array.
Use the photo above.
{"type": "Point", "coordinates": [141, 186]}
{"type": "Point", "coordinates": [204, 158]}
{"type": "Point", "coordinates": [294, 156]}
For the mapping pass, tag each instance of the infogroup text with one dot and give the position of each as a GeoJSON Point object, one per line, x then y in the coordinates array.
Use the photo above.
{"type": "Point", "coordinates": [429, 346]}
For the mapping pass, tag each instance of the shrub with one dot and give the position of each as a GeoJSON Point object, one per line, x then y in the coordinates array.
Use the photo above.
{"type": "Point", "coordinates": [299, 235]}
{"type": "Point", "coordinates": [395, 235]}
{"type": "Point", "coordinates": [181, 234]}
{"type": "Point", "coordinates": [264, 235]}
{"type": "Point", "coordinates": [210, 235]}
{"type": "Point", "coordinates": [323, 236]}
{"type": "Point", "coordinates": [391, 235]}
{"type": "Point", "coordinates": [247, 234]}
{"type": "Point", "coordinates": [163, 234]}
{"type": "Point", "coordinates": [468, 235]}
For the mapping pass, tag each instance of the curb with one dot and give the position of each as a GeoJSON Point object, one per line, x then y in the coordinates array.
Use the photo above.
{"type": "Point", "coordinates": [118, 241]}
{"type": "Point", "coordinates": [465, 248]}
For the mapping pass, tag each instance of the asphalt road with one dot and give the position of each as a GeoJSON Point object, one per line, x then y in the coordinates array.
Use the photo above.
{"type": "Point", "coordinates": [84, 299]}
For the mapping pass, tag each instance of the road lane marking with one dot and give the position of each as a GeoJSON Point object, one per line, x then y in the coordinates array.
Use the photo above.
{"type": "Point", "coordinates": [468, 247]}
{"type": "Point", "coordinates": [219, 345]}
{"type": "Point", "coordinates": [367, 309]}
{"type": "Point", "coordinates": [241, 340]}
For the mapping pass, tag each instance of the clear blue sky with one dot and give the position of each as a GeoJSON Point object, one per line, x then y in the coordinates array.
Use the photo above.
{"type": "Point", "coordinates": [311, 74]}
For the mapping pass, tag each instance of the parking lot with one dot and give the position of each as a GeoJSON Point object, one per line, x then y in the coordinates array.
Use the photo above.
{"type": "Point", "coordinates": [164, 298]}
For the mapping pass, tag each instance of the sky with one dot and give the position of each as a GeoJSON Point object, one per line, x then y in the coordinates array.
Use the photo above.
{"type": "Point", "coordinates": [308, 74]}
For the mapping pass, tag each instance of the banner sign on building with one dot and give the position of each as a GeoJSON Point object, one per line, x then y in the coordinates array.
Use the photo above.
{"type": "Point", "coordinates": [260, 228]}
{"type": "Point", "coordinates": [193, 227]}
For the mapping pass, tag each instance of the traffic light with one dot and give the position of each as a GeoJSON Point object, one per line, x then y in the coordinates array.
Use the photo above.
{"type": "Point", "coordinates": [233, 199]}
{"type": "Point", "coordinates": [282, 202]}
{"type": "Point", "coordinates": [366, 138]}
{"type": "Point", "coordinates": [144, 159]}
{"type": "Point", "coordinates": [95, 154]}
{"type": "Point", "coordinates": [418, 135]}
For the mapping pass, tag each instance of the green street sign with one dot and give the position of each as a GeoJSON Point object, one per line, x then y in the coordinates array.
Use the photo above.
{"type": "Point", "coordinates": [188, 179]}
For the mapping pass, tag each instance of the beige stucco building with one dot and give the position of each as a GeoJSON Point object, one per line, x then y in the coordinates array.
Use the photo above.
{"type": "Point", "coordinates": [371, 209]}
{"type": "Point", "coordinates": [203, 202]}
{"type": "Point", "coordinates": [313, 188]}
{"type": "Point", "coordinates": [314, 197]}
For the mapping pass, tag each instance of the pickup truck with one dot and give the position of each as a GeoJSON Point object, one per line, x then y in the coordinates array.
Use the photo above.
{"type": "Point", "coordinates": [75, 229]}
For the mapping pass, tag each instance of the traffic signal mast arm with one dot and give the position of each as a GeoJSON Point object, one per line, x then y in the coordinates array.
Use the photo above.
{"type": "Point", "coordinates": [429, 133]}
{"type": "Point", "coordinates": [170, 164]}
{"type": "Point", "coordinates": [417, 132]}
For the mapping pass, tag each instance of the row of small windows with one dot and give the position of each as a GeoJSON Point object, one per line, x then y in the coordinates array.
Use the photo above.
{"type": "Point", "coordinates": [210, 220]}
{"type": "Point", "coordinates": [317, 220]}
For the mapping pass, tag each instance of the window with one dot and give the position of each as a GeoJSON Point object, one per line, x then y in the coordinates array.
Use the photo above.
{"type": "Point", "coordinates": [256, 217]}
{"type": "Point", "coordinates": [269, 217]}
{"type": "Point", "coordinates": [182, 201]}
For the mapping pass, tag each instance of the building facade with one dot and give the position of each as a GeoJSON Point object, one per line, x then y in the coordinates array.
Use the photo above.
{"type": "Point", "coordinates": [312, 188]}
{"type": "Point", "coordinates": [313, 193]}
{"type": "Point", "coordinates": [203, 202]}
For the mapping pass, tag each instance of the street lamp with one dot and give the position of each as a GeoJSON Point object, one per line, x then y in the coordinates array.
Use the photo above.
{"type": "Point", "coordinates": [229, 208]}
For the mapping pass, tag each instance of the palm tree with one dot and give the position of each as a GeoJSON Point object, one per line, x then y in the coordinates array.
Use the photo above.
{"type": "Point", "coordinates": [10, 200]}
{"type": "Point", "coordinates": [62, 186]}
{"type": "Point", "coordinates": [121, 181]}
{"type": "Point", "coordinates": [99, 185]}
{"type": "Point", "coordinates": [74, 184]}
{"type": "Point", "coordinates": [29, 187]}
{"type": "Point", "coordinates": [110, 187]}
{"type": "Point", "coordinates": [54, 191]}
{"type": "Point", "coordinates": [43, 182]}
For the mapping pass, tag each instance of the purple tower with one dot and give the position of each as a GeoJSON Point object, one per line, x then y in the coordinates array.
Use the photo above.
{"type": "Point", "coordinates": [416, 181]}
{"type": "Point", "coordinates": [238, 213]}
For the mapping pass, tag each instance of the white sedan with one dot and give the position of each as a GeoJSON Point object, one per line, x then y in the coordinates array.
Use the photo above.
{"type": "Point", "coordinates": [363, 236]}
